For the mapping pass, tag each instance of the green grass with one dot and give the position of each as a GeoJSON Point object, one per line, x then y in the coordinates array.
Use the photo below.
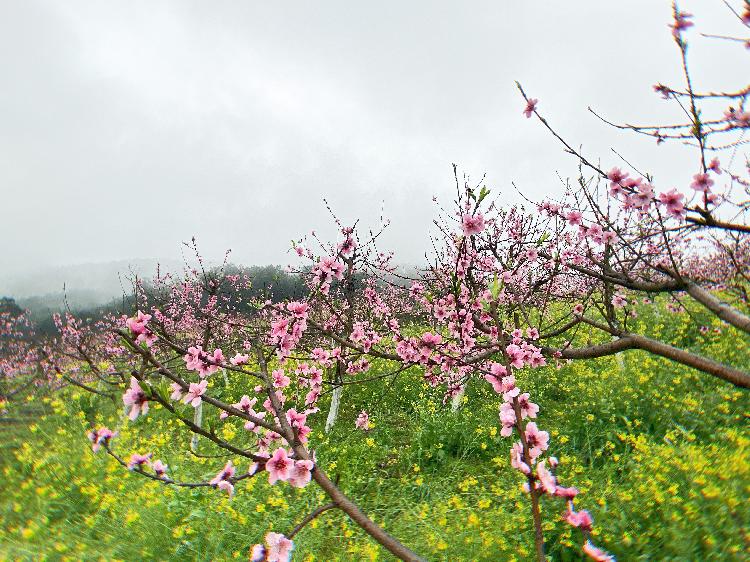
{"type": "Point", "coordinates": [660, 453]}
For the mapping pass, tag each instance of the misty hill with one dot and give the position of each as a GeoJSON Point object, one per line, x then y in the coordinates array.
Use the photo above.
{"type": "Point", "coordinates": [92, 289]}
{"type": "Point", "coordinates": [90, 283]}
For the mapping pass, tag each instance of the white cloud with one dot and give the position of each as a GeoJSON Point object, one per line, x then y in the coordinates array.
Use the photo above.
{"type": "Point", "coordinates": [130, 127]}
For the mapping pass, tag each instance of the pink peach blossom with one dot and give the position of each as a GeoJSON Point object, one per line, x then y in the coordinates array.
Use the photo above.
{"type": "Point", "coordinates": [136, 399]}
{"type": "Point", "coordinates": [137, 461]}
{"type": "Point", "coordinates": [363, 421]}
{"type": "Point", "coordinates": [100, 437]}
{"type": "Point", "coordinates": [702, 182]}
{"type": "Point", "coordinates": [516, 458]}
{"type": "Point", "coordinates": [537, 440]}
{"type": "Point", "coordinates": [581, 519]}
{"type": "Point", "coordinates": [280, 380]}
{"type": "Point", "coordinates": [596, 553]}
{"type": "Point", "coordinates": [546, 478]}
{"type": "Point", "coordinates": [301, 473]}
{"type": "Point", "coordinates": [715, 166]}
{"type": "Point", "coordinates": [239, 359]}
{"type": "Point", "coordinates": [196, 390]}
{"type": "Point", "coordinates": [279, 466]}
{"type": "Point", "coordinates": [222, 479]}
{"type": "Point", "coordinates": [159, 468]}
{"type": "Point", "coordinates": [176, 389]}
{"type": "Point", "coordinates": [531, 104]}
{"type": "Point", "coordinates": [472, 224]}
{"type": "Point", "coordinates": [279, 548]}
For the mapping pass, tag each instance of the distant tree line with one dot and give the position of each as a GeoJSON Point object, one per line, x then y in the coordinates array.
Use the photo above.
{"type": "Point", "coordinates": [270, 282]}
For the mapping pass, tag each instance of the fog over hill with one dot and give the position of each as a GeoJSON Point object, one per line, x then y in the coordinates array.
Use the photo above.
{"type": "Point", "coordinates": [84, 285]}
{"type": "Point", "coordinates": [87, 286]}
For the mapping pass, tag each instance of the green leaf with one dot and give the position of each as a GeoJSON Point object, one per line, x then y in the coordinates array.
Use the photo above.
{"type": "Point", "coordinates": [495, 287]}
{"type": "Point", "coordinates": [482, 194]}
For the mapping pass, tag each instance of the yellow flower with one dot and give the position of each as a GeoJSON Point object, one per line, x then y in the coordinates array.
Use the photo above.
{"type": "Point", "coordinates": [27, 532]}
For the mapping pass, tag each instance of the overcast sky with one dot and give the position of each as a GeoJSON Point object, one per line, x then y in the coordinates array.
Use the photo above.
{"type": "Point", "coordinates": [128, 127]}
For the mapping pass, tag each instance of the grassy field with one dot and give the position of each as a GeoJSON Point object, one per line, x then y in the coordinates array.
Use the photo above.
{"type": "Point", "coordinates": [660, 453]}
